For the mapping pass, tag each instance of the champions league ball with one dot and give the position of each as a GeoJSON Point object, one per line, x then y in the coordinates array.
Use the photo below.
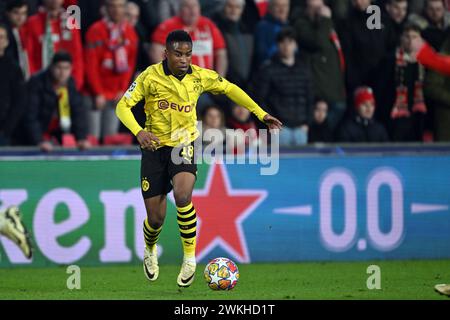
{"type": "Point", "coordinates": [221, 274]}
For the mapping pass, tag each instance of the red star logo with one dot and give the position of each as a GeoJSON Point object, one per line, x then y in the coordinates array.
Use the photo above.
{"type": "Point", "coordinates": [221, 211]}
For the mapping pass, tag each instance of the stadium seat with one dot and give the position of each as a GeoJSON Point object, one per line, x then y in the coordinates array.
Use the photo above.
{"type": "Point", "coordinates": [428, 136]}
{"type": "Point", "coordinates": [69, 141]}
{"type": "Point", "coordinates": [118, 139]}
{"type": "Point", "coordinates": [92, 140]}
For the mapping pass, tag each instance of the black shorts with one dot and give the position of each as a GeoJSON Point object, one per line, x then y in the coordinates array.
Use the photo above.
{"type": "Point", "coordinates": [158, 168]}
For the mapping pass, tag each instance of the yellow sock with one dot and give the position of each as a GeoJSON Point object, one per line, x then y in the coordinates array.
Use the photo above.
{"type": "Point", "coordinates": [187, 224]}
{"type": "Point", "coordinates": [151, 235]}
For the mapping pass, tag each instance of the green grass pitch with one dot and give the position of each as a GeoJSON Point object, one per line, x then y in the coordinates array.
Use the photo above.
{"type": "Point", "coordinates": [336, 280]}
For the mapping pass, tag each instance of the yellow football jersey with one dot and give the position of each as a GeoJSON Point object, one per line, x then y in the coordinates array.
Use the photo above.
{"type": "Point", "coordinates": [170, 102]}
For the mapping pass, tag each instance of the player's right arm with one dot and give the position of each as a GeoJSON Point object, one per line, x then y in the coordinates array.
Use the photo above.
{"type": "Point", "coordinates": [134, 94]}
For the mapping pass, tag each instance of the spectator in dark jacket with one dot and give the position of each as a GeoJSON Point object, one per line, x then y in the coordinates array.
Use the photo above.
{"type": "Point", "coordinates": [239, 42]}
{"type": "Point", "coordinates": [320, 44]}
{"type": "Point", "coordinates": [437, 93]}
{"type": "Point", "coordinates": [91, 11]}
{"type": "Point", "coordinates": [416, 6]}
{"type": "Point", "coordinates": [55, 106]}
{"type": "Point", "coordinates": [362, 127]}
{"type": "Point", "coordinates": [154, 12]}
{"type": "Point", "coordinates": [16, 16]}
{"type": "Point", "coordinates": [340, 8]}
{"type": "Point", "coordinates": [397, 12]}
{"type": "Point", "coordinates": [12, 92]}
{"type": "Point", "coordinates": [319, 130]}
{"type": "Point", "coordinates": [399, 91]}
{"type": "Point", "coordinates": [438, 21]}
{"type": "Point", "coordinates": [284, 86]}
{"type": "Point", "coordinates": [363, 47]}
{"type": "Point", "coordinates": [268, 28]}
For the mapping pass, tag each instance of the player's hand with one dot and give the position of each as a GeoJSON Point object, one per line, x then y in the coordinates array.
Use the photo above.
{"type": "Point", "coordinates": [272, 122]}
{"type": "Point", "coordinates": [46, 146]}
{"type": "Point", "coordinates": [100, 102]}
{"type": "Point", "coordinates": [147, 140]}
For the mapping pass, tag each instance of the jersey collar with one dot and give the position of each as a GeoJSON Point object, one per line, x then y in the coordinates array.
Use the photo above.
{"type": "Point", "coordinates": [168, 73]}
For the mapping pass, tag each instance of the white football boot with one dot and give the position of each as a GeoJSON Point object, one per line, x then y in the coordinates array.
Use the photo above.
{"type": "Point", "coordinates": [187, 273]}
{"type": "Point", "coordinates": [443, 289]}
{"type": "Point", "coordinates": [151, 268]}
{"type": "Point", "coordinates": [11, 226]}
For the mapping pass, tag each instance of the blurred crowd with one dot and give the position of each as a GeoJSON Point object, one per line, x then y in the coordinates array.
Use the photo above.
{"type": "Point", "coordinates": [320, 66]}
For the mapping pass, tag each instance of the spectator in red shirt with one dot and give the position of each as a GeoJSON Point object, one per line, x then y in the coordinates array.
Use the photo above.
{"type": "Point", "coordinates": [111, 49]}
{"type": "Point", "coordinates": [209, 49]}
{"type": "Point", "coordinates": [48, 33]}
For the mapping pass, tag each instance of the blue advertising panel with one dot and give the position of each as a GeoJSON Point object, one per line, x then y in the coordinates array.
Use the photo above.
{"type": "Point", "coordinates": [349, 208]}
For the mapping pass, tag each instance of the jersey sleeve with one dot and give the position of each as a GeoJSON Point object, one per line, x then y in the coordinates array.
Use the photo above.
{"type": "Point", "coordinates": [132, 96]}
{"type": "Point", "coordinates": [214, 83]}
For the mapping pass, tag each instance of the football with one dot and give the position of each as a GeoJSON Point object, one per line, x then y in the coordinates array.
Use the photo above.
{"type": "Point", "coordinates": [221, 274]}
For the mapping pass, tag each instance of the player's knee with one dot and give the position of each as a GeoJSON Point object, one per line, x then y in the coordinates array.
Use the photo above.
{"type": "Point", "coordinates": [155, 220]}
{"type": "Point", "coordinates": [182, 199]}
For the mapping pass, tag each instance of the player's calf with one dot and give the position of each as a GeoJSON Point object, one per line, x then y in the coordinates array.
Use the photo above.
{"type": "Point", "coordinates": [187, 223]}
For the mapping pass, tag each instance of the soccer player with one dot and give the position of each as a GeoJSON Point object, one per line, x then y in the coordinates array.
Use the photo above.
{"type": "Point", "coordinates": [171, 89]}
{"type": "Point", "coordinates": [11, 226]}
